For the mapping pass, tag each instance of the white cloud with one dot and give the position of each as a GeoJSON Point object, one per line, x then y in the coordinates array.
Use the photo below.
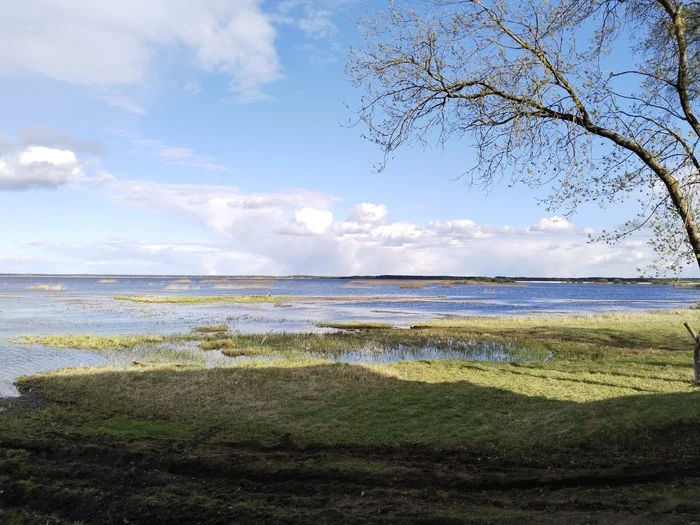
{"type": "Point", "coordinates": [314, 20]}
{"type": "Point", "coordinates": [39, 167]}
{"type": "Point", "coordinates": [43, 158]}
{"type": "Point", "coordinates": [117, 44]}
{"type": "Point", "coordinates": [369, 213]}
{"type": "Point", "coordinates": [552, 225]}
{"type": "Point", "coordinates": [224, 209]}
{"type": "Point", "coordinates": [313, 221]}
{"type": "Point", "coordinates": [41, 154]}
{"type": "Point", "coordinates": [617, 258]}
{"type": "Point", "coordinates": [294, 232]}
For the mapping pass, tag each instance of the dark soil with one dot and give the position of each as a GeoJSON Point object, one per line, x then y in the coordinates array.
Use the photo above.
{"type": "Point", "coordinates": [110, 481]}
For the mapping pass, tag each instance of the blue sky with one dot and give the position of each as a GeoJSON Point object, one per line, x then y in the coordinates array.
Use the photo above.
{"type": "Point", "coordinates": [210, 137]}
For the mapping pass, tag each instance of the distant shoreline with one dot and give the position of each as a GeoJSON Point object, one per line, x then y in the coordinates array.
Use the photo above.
{"type": "Point", "coordinates": [383, 277]}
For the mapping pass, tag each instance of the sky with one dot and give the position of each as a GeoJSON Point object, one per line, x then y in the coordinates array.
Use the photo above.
{"type": "Point", "coordinates": [213, 137]}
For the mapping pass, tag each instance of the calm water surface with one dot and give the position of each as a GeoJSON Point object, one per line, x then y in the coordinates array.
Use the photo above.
{"type": "Point", "coordinates": [86, 305]}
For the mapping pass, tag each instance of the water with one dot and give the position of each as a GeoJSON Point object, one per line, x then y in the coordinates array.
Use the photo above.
{"type": "Point", "coordinates": [470, 350]}
{"type": "Point", "coordinates": [45, 305]}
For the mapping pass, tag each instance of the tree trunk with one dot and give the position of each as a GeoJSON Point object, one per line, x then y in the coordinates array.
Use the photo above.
{"type": "Point", "coordinates": [696, 353]}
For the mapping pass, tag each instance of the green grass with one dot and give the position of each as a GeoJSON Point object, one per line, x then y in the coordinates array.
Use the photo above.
{"type": "Point", "coordinates": [211, 329]}
{"type": "Point", "coordinates": [515, 409]}
{"type": "Point", "coordinates": [217, 344]}
{"type": "Point", "coordinates": [615, 383]}
{"type": "Point", "coordinates": [125, 427]}
{"type": "Point", "coordinates": [94, 342]}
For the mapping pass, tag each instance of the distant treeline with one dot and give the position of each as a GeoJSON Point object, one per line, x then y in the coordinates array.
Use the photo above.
{"type": "Point", "coordinates": [504, 279]}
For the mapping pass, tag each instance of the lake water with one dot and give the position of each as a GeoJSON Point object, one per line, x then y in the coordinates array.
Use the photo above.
{"type": "Point", "coordinates": [44, 305]}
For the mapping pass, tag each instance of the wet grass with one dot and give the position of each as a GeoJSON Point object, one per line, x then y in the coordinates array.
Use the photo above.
{"type": "Point", "coordinates": [615, 383]}
{"type": "Point", "coordinates": [205, 299]}
{"type": "Point", "coordinates": [210, 329]}
{"type": "Point", "coordinates": [95, 342]}
{"type": "Point", "coordinates": [217, 344]}
{"type": "Point", "coordinates": [47, 287]}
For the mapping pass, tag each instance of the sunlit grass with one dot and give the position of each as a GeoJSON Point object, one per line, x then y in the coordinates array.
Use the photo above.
{"type": "Point", "coordinates": [94, 342]}
{"type": "Point", "coordinates": [57, 287]}
{"type": "Point", "coordinates": [205, 299]}
{"type": "Point", "coordinates": [615, 382]}
{"type": "Point", "coordinates": [210, 329]}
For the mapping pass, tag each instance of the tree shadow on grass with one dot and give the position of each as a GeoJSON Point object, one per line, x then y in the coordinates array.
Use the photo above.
{"type": "Point", "coordinates": [340, 403]}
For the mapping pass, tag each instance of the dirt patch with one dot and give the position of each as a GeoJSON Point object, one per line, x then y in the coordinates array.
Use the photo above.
{"type": "Point", "coordinates": [107, 480]}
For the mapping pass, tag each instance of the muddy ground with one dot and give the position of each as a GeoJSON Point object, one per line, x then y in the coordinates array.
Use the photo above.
{"type": "Point", "coordinates": [115, 481]}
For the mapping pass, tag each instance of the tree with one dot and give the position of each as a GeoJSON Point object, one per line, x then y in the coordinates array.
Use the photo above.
{"type": "Point", "coordinates": [538, 89]}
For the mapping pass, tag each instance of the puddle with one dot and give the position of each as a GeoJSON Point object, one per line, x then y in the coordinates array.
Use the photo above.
{"type": "Point", "coordinates": [466, 350]}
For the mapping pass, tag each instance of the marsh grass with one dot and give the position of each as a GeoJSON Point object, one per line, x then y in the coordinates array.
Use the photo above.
{"type": "Point", "coordinates": [205, 299]}
{"type": "Point", "coordinates": [616, 383]}
{"type": "Point", "coordinates": [57, 287]}
{"type": "Point", "coordinates": [95, 342]}
{"type": "Point", "coordinates": [218, 344]}
{"type": "Point", "coordinates": [107, 281]}
{"type": "Point", "coordinates": [210, 329]}
{"type": "Point", "coordinates": [356, 325]}
{"type": "Point", "coordinates": [180, 287]}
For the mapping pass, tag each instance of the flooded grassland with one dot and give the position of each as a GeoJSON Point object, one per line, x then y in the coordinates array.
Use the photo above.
{"type": "Point", "coordinates": [393, 405]}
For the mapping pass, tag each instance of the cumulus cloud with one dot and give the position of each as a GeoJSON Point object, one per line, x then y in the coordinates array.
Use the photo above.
{"type": "Point", "coordinates": [43, 158]}
{"type": "Point", "coordinates": [313, 221]}
{"type": "Point", "coordinates": [552, 225]}
{"type": "Point", "coordinates": [38, 167]}
{"type": "Point", "coordinates": [116, 44]}
{"type": "Point", "coordinates": [295, 232]}
{"type": "Point", "coordinates": [224, 209]}
{"type": "Point", "coordinates": [368, 213]}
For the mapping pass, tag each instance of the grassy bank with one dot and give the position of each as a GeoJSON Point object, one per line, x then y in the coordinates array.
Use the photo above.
{"type": "Point", "coordinates": [611, 418]}
{"type": "Point", "coordinates": [613, 379]}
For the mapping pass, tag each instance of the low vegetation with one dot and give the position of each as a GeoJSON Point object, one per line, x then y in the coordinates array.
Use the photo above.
{"type": "Point", "coordinates": [94, 342]}
{"type": "Point", "coordinates": [47, 287]}
{"type": "Point", "coordinates": [616, 394]}
{"type": "Point", "coordinates": [210, 329]}
{"type": "Point", "coordinates": [204, 299]}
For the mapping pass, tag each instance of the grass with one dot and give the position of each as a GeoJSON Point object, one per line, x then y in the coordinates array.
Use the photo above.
{"type": "Point", "coordinates": [616, 383]}
{"type": "Point", "coordinates": [205, 299]}
{"type": "Point", "coordinates": [356, 325]}
{"type": "Point", "coordinates": [617, 397]}
{"type": "Point", "coordinates": [218, 344]}
{"type": "Point", "coordinates": [515, 409]}
{"type": "Point", "coordinates": [47, 287]}
{"type": "Point", "coordinates": [210, 329]}
{"type": "Point", "coordinates": [94, 342]}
